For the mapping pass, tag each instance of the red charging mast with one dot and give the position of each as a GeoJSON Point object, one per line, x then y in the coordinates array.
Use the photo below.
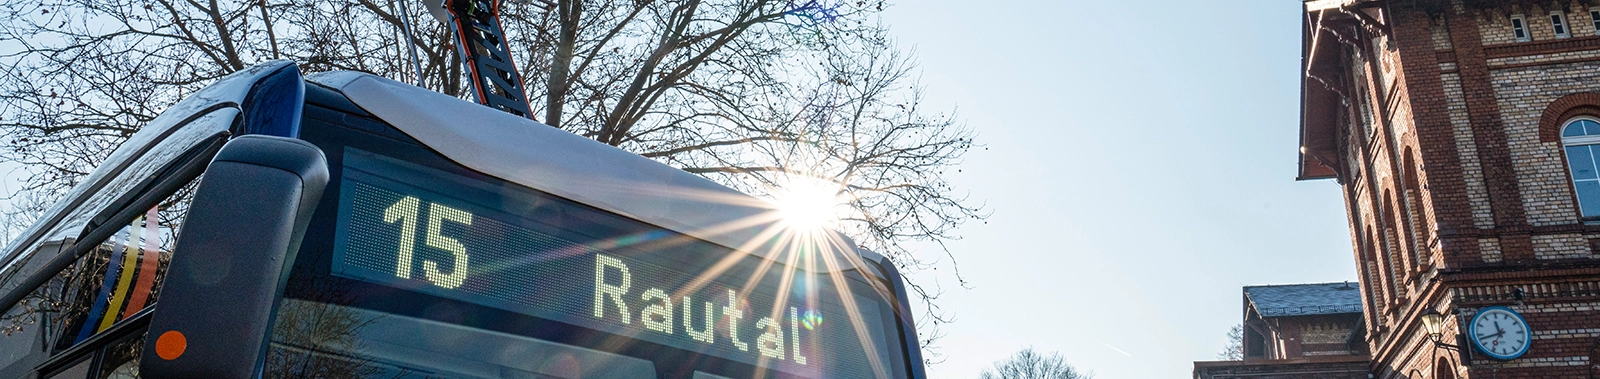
{"type": "Point", "coordinates": [482, 43]}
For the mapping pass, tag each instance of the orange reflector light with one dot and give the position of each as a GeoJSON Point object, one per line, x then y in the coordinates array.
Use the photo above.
{"type": "Point", "coordinates": [171, 345]}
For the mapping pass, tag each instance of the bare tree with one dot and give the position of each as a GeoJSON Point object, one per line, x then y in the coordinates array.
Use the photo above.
{"type": "Point", "coordinates": [755, 94]}
{"type": "Point", "coordinates": [1028, 364]}
{"type": "Point", "coordinates": [1234, 349]}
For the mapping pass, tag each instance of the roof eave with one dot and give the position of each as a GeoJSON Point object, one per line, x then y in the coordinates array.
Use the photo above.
{"type": "Point", "coordinates": [1318, 104]}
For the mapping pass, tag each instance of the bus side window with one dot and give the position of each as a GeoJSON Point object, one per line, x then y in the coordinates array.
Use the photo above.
{"type": "Point", "coordinates": [77, 370]}
{"type": "Point", "coordinates": [116, 360]}
{"type": "Point", "coordinates": [112, 283]}
{"type": "Point", "coordinates": [120, 360]}
{"type": "Point", "coordinates": [122, 276]}
{"type": "Point", "coordinates": [27, 329]}
{"type": "Point", "coordinates": [116, 281]}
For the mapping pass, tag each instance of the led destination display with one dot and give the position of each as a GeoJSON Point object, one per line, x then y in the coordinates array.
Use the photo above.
{"type": "Point", "coordinates": [421, 229]}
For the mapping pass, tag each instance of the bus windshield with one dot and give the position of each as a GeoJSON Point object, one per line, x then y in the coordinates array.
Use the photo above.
{"type": "Point", "coordinates": [415, 266]}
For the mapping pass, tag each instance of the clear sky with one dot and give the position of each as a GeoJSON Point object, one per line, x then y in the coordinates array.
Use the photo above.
{"type": "Point", "coordinates": [1140, 165]}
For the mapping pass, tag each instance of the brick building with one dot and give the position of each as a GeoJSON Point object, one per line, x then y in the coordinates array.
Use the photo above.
{"type": "Point", "coordinates": [1464, 135]}
{"type": "Point", "coordinates": [1298, 331]}
{"type": "Point", "coordinates": [1330, 367]}
{"type": "Point", "coordinates": [1302, 320]}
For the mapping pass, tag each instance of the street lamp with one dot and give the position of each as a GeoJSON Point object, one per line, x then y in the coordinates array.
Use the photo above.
{"type": "Point", "coordinates": [1434, 321]}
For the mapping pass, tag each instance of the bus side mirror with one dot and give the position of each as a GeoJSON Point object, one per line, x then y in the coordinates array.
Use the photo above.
{"type": "Point", "coordinates": [230, 262]}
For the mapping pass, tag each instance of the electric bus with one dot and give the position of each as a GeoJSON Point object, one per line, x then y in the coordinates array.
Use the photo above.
{"type": "Point", "coordinates": [344, 225]}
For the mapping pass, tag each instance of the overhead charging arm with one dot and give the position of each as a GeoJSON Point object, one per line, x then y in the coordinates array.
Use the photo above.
{"type": "Point", "coordinates": [482, 44]}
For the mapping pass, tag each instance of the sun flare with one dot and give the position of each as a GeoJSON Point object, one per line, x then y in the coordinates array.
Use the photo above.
{"type": "Point", "coordinates": [807, 203]}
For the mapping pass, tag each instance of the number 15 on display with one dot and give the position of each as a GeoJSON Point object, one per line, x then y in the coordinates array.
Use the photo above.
{"type": "Point", "coordinates": [406, 212]}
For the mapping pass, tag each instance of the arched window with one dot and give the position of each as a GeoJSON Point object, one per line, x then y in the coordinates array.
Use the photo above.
{"type": "Point", "coordinates": [1380, 258]}
{"type": "Point", "coordinates": [1581, 139]}
{"type": "Point", "coordinates": [1405, 254]}
{"type": "Point", "coordinates": [1443, 369]}
{"type": "Point", "coordinates": [1420, 231]}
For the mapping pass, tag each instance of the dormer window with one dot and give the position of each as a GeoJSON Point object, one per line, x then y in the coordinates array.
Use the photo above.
{"type": "Point", "coordinates": [1558, 20]}
{"type": "Point", "coordinates": [1519, 29]}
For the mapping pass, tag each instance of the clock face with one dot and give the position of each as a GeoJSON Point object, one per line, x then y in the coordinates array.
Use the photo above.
{"type": "Point", "coordinates": [1500, 332]}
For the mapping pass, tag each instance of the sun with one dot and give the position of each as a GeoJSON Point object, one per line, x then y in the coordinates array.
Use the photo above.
{"type": "Point", "coordinates": [808, 203]}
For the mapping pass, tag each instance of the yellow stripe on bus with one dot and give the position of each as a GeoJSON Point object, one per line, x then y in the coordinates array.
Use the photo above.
{"type": "Point", "coordinates": [130, 260]}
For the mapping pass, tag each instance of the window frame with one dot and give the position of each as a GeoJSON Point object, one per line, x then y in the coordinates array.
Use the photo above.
{"type": "Point", "coordinates": [1594, 18]}
{"type": "Point", "coordinates": [1580, 140]}
{"type": "Point", "coordinates": [1519, 29]}
{"type": "Point", "coordinates": [1559, 24]}
{"type": "Point", "coordinates": [183, 170]}
{"type": "Point", "coordinates": [1566, 142]}
{"type": "Point", "coordinates": [167, 179]}
{"type": "Point", "coordinates": [95, 350]}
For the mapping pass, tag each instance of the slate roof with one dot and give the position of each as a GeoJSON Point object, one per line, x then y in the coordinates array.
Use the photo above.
{"type": "Point", "coordinates": [1304, 299]}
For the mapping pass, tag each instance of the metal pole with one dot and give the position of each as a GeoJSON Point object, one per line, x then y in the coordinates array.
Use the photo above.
{"type": "Point", "coordinates": [411, 46]}
{"type": "Point", "coordinates": [461, 51]}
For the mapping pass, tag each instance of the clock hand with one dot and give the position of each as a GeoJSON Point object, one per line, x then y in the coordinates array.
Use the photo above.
{"type": "Point", "coordinates": [1486, 338]}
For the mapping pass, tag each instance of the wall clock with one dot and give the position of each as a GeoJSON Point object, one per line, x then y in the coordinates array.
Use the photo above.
{"type": "Point", "coordinates": [1500, 333]}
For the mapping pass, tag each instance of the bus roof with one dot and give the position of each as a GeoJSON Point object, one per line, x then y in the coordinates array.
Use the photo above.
{"type": "Point", "coordinates": [201, 114]}
{"type": "Point", "coordinates": [571, 166]}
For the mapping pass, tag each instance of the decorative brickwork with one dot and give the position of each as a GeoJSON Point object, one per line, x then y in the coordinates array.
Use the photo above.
{"type": "Point", "coordinates": [1527, 94]}
{"type": "Point", "coordinates": [1335, 367]}
{"type": "Point", "coordinates": [1490, 248]}
{"type": "Point", "coordinates": [1441, 42]}
{"type": "Point", "coordinates": [1546, 57]}
{"type": "Point", "coordinates": [1497, 29]}
{"type": "Point", "coordinates": [1561, 246]}
{"type": "Point", "coordinates": [1489, 134]}
{"type": "Point", "coordinates": [1472, 172]}
{"type": "Point", "coordinates": [1565, 108]}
